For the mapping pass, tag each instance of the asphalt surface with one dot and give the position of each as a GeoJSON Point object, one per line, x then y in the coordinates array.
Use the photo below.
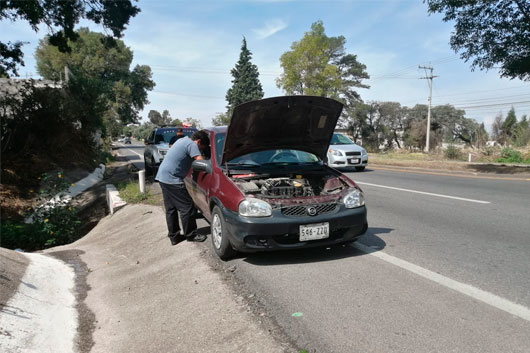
{"type": "Point", "coordinates": [351, 301]}
{"type": "Point", "coordinates": [444, 267]}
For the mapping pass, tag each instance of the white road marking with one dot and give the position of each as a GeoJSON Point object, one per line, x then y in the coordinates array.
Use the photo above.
{"type": "Point", "coordinates": [466, 289]}
{"type": "Point", "coordinates": [128, 149]}
{"type": "Point", "coordinates": [422, 192]}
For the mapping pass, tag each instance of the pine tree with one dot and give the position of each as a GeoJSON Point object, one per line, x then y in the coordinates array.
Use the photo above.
{"type": "Point", "coordinates": [508, 128]}
{"type": "Point", "coordinates": [245, 85]}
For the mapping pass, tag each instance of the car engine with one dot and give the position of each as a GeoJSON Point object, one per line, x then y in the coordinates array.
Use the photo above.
{"type": "Point", "coordinates": [288, 187]}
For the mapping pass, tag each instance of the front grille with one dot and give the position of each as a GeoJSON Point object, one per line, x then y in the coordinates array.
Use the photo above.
{"type": "Point", "coordinates": [353, 153]}
{"type": "Point", "coordinates": [301, 211]}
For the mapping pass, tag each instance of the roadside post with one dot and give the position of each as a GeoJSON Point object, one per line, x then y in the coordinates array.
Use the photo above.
{"type": "Point", "coordinates": [141, 180]}
{"type": "Point", "coordinates": [469, 157]}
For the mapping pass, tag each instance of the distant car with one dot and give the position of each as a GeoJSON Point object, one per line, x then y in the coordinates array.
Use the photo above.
{"type": "Point", "coordinates": [127, 140]}
{"type": "Point", "coordinates": [343, 153]}
{"type": "Point", "coordinates": [157, 145]}
{"type": "Point", "coordinates": [266, 186]}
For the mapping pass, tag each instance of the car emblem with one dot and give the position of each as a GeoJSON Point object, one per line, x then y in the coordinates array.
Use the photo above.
{"type": "Point", "coordinates": [311, 211]}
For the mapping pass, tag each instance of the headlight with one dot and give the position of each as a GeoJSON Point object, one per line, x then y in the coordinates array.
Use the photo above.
{"type": "Point", "coordinates": [335, 152]}
{"type": "Point", "coordinates": [254, 208]}
{"type": "Point", "coordinates": [363, 152]}
{"type": "Point", "coordinates": [353, 198]}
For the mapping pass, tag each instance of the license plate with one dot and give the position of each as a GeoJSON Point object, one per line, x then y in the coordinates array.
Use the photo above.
{"type": "Point", "coordinates": [314, 231]}
{"type": "Point", "coordinates": [353, 161]}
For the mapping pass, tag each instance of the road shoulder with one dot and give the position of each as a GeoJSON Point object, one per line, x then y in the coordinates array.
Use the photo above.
{"type": "Point", "coordinates": [148, 296]}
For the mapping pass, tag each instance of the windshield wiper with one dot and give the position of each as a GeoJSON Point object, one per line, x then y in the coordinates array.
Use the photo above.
{"type": "Point", "coordinates": [242, 164]}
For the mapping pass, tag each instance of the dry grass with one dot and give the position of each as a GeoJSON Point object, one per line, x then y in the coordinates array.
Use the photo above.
{"type": "Point", "coordinates": [483, 161]}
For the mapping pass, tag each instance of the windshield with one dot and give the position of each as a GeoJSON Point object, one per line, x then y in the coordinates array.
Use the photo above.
{"type": "Point", "coordinates": [340, 139]}
{"type": "Point", "coordinates": [265, 158]}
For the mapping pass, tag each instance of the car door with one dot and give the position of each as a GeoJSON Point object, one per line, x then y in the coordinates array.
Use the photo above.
{"type": "Point", "coordinates": [198, 185]}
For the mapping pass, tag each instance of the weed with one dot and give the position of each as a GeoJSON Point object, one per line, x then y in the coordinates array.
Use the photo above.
{"type": "Point", "coordinates": [52, 221]}
{"type": "Point", "coordinates": [452, 152]}
{"type": "Point", "coordinates": [130, 192]}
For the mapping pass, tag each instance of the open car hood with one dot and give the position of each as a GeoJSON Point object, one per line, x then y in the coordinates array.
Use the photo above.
{"type": "Point", "coordinates": [303, 123]}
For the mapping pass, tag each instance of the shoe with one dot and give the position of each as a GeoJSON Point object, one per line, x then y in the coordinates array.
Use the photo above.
{"type": "Point", "coordinates": [175, 239]}
{"type": "Point", "coordinates": [197, 238]}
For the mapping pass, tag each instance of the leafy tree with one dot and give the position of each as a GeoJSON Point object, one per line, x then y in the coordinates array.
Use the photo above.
{"type": "Point", "coordinates": [455, 126]}
{"type": "Point", "coordinates": [166, 116]}
{"type": "Point", "coordinates": [158, 119]}
{"type": "Point", "coordinates": [245, 85]}
{"type": "Point", "coordinates": [371, 129]}
{"type": "Point", "coordinates": [221, 119]}
{"type": "Point", "coordinates": [176, 122]}
{"type": "Point", "coordinates": [392, 116]}
{"type": "Point", "coordinates": [509, 125]}
{"type": "Point", "coordinates": [415, 132]}
{"type": "Point", "coordinates": [522, 133]}
{"type": "Point", "coordinates": [491, 32]}
{"type": "Point", "coordinates": [318, 65]}
{"type": "Point", "coordinates": [357, 120]}
{"type": "Point", "coordinates": [496, 128]}
{"type": "Point", "coordinates": [142, 131]}
{"type": "Point", "coordinates": [60, 17]}
{"type": "Point", "coordinates": [481, 136]}
{"type": "Point", "coordinates": [99, 74]}
{"type": "Point", "coordinates": [193, 122]}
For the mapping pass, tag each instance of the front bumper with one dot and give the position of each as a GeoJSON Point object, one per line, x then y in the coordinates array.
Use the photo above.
{"type": "Point", "coordinates": [348, 161]}
{"type": "Point", "coordinates": [277, 232]}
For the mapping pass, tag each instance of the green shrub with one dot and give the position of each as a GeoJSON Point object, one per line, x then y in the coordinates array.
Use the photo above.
{"type": "Point", "coordinates": [489, 151]}
{"type": "Point", "coordinates": [130, 192]}
{"type": "Point", "coordinates": [52, 222]}
{"type": "Point", "coordinates": [105, 157]}
{"type": "Point", "coordinates": [452, 152]}
{"type": "Point", "coordinates": [509, 155]}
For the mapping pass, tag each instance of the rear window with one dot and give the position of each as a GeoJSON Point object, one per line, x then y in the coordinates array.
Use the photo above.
{"type": "Point", "coordinates": [165, 135]}
{"type": "Point", "coordinates": [339, 139]}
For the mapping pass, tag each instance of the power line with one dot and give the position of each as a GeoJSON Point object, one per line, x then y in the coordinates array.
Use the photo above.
{"type": "Point", "coordinates": [187, 95]}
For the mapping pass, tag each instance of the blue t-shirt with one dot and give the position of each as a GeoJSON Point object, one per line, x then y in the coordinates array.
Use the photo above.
{"type": "Point", "coordinates": [177, 162]}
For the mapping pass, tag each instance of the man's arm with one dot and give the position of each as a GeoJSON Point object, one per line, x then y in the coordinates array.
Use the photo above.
{"type": "Point", "coordinates": [199, 157]}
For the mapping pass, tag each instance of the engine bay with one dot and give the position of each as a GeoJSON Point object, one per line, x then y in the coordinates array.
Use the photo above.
{"type": "Point", "coordinates": [289, 186]}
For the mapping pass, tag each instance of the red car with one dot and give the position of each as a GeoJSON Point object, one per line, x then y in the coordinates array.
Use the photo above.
{"type": "Point", "coordinates": [266, 186]}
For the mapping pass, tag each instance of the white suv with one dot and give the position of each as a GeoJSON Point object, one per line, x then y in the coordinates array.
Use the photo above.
{"type": "Point", "coordinates": [157, 145]}
{"type": "Point", "coordinates": [344, 153]}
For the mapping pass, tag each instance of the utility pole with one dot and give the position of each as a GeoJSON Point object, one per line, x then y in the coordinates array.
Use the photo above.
{"type": "Point", "coordinates": [428, 77]}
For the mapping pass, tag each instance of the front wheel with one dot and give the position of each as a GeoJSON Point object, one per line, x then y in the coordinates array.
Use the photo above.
{"type": "Point", "coordinates": [220, 242]}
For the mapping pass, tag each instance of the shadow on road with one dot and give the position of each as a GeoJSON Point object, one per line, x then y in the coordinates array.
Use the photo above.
{"type": "Point", "coordinates": [337, 252]}
{"type": "Point", "coordinates": [128, 158]}
{"type": "Point", "coordinates": [498, 169]}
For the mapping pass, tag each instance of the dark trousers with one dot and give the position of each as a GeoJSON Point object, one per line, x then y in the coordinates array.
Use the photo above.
{"type": "Point", "coordinates": [177, 201]}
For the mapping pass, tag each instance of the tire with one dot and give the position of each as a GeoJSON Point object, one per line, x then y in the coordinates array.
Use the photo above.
{"type": "Point", "coordinates": [220, 242]}
{"type": "Point", "coordinates": [359, 169]}
{"type": "Point", "coordinates": [148, 168]}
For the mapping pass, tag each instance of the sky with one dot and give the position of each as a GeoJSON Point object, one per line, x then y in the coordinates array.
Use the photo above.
{"type": "Point", "coordinates": [191, 46]}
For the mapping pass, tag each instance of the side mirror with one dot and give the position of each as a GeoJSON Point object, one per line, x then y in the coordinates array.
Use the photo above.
{"type": "Point", "coordinates": [146, 142]}
{"type": "Point", "coordinates": [202, 165]}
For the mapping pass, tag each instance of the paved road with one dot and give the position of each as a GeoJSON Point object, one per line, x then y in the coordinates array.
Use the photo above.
{"type": "Point", "coordinates": [444, 267]}
{"type": "Point", "coordinates": [444, 274]}
{"type": "Point", "coordinates": [133, 153]}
